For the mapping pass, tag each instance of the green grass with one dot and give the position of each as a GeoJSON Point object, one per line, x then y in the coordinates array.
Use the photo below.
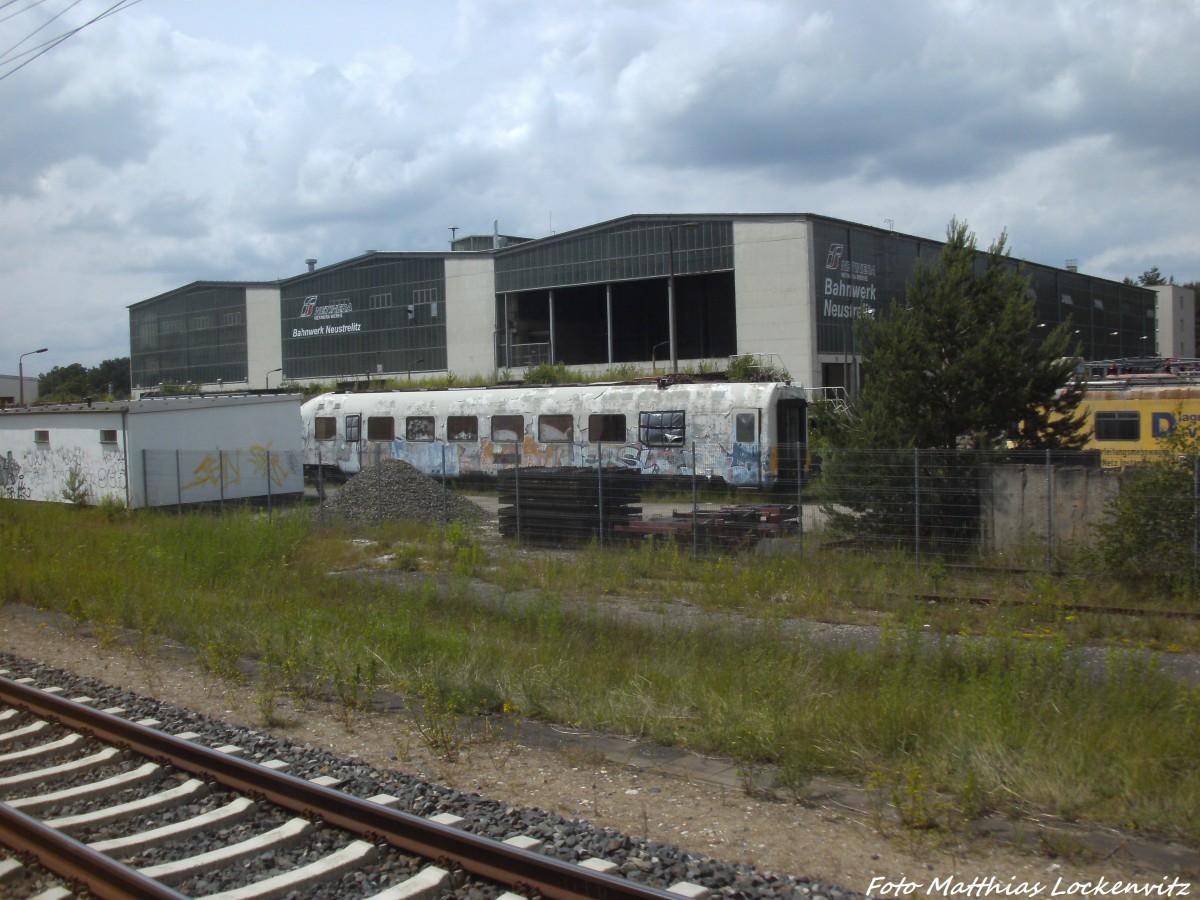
{"type": "Point", "coordinates": [942, 728]}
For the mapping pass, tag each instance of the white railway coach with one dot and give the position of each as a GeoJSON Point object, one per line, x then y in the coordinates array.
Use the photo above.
{"type": "Point", "coordinates": [745, 434]}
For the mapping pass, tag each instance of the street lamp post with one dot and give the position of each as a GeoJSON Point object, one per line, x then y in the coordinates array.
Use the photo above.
{"type": "Point", "coordinates": [21, 372]}
{"type": "Point", "coordinates": [267, 379]}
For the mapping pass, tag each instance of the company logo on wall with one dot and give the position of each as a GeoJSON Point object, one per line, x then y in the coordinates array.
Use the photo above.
{"type": "Point", "coordinates": [336, 310]}
{"type": "Point", "coordinates": [852, 293]}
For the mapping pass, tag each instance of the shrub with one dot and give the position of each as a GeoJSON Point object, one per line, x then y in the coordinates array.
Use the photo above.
{"type": "Point", "coordinates": [1149, 527]}
{"type": "Point", "coordinates": [547, 373]}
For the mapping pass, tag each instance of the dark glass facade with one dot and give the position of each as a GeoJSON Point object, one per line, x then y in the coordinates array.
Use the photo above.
{"type": "Point", "coordinates": [196, 334]}
{"type": "Point", "coordinates": [860, 271]}
{"type": "Point", "coordinates": [381, 313]}
{"type": "Point", "coordinates": [623, 251]}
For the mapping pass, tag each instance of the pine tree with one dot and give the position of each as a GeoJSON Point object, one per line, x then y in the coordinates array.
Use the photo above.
{"type": "Point", "coordinates": [964, 362]}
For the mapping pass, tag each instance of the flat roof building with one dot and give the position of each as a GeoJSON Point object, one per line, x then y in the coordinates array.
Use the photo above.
{"type": "Point", "coordinates": [664, 291]}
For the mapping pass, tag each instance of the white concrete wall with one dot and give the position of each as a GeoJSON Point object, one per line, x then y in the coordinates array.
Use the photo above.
{"type": "Point", "coordinates": [1176, 315]}
{"type": "Point", "coordinates": [166, 451]}
{"type": "Point", "coordinates": [214, 448]}
{"type": "Point", "coordinates": [264, 341]}
{"type": "Point", "coordinates": [33, 470]}
{"type": "Point", "coordinates": [470, 316]}
{"type": "Point", "coordinates": [772, 282]}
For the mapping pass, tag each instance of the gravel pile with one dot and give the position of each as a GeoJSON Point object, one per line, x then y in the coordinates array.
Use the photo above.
{"type": "Point", "coordinates": [397, 490]}
{"type": "Point", "coordinates": [573, 840]}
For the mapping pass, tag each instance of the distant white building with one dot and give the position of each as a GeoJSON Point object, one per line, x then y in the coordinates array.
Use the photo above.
{"type": "Point", "coordinates": [10, 390]}
{"type": "Point", "coordinates": [172, 451]}
{"type": "Point", "coordinates": [1176, 321]}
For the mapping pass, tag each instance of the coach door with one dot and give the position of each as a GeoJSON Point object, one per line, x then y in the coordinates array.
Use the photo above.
{"type": "Point", "coordinates": [352, 464]}
{"type": "Point", "coordinates": [790, 435]}
{"type": "Point", "coordinates": [745, 466]}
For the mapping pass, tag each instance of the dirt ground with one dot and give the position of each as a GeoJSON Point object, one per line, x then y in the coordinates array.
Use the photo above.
{"type": "Point", "coordinates": [822, 840]}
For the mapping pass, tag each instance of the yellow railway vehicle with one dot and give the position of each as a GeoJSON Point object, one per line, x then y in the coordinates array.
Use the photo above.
{"type": "Point", "coordinates": [1133, 405]}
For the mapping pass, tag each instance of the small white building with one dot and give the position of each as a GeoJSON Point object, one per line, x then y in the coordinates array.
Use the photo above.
{"type": "Point", "coordinates": [11, 392]}
{"type": "Point", "coordinates": [167, 451]}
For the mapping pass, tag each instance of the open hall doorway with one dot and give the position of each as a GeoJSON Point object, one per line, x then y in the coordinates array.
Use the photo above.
{"type": "Point", "coordinates": [571, 324]}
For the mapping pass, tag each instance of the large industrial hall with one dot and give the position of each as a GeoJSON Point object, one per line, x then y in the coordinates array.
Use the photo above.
{"type": "Point", "coordinates": [669, 293]}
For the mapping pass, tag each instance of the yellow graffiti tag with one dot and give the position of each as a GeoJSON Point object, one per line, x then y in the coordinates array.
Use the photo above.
{"type": "Point", "coordinates": [207, 473]}
{"type": "Point", "coordinates": [265, 464]}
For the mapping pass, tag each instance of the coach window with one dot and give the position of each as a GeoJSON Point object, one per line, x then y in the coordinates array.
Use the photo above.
{"type": "Point", "coordinates": [419, 428]}
{"type": "Point", "coordinates": [1118, 426]}
{"type": "Point", "coordinates": [555, 429]}
{"type": "Point", "coordinates": [462, 428]}
{"type": "Point", "coordinates": [325, 428]}
{"type": "Point", "coordinates": [658, 429]}
{"type": "Point", "coordinates": [108, 435]}
{"type": "Point", "coordinates": [381, 428]}
{"type": "Point", "coordinates": [607, 428]}
{"type": "Point", "coordinates": [507, 429]}
{"type": "Point", "coordinates": [41, 436]}
{"type": "Point", "coordinates": [353, 429]}
{"type": "Point", "coordinates": [745, 430]}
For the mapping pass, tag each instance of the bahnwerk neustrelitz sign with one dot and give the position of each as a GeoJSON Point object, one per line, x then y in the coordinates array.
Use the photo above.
{"type": "Point", "coordinates": [339, 309]}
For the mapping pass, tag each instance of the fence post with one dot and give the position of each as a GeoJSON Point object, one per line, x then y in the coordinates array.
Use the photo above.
{"type": "Point", "coordinates": [378, 485]}
{"type": "Point", "coordinates": [320, 486]}
{"type": "Point", "coordinates": [270, 512]}
{"type": "Point", "coordinates": [445, 489]}
{"type": "Point", "coordinates": [696, 507]}
{"type": "Point", "coordinates": [600, 487]}
{"type": "Point", "coordinates": [1049, 514]}
{"type": "Point", "coordinates": [1195, 518]}
{"type": "Point", "coordinates": [178, 482]}
{"type": "Point", "coordinates": [221, 468]}
{"type": "Point", "coordinates": [800, 497]}
{"type": "Point", "coordinates": [917, 506]}
{"type": "Point", "coordinates": [517, 490]}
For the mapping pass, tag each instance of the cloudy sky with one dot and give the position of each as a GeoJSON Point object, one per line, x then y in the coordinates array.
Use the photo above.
{"type": "Point", "coordinates": [183, 140]}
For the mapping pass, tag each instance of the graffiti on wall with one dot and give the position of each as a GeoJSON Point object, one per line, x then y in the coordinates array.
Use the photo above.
{"type": "Point", "coordinates": [12, 481]}
{"type": "Point", "coordinates": [42, 473]}
{"type": "Point", "coordinates": [223, 468]}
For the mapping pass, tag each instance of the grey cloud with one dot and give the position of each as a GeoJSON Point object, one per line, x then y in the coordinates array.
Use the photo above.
{"type": "Point", "coordinates": [48, 130]}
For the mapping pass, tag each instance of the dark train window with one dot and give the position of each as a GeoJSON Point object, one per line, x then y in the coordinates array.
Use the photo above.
{"type": "Point", "coordinates": [659, 429]}
{"type": "Point", "coordinates": [381, 428]}
{"type": "Point", "coordinates": [325, 428]}
{"type": "Point", "coordinates": [1118, 426]}
{"type": "Point", "coordinates": [507, 429]}
{"type": "Point", "coordinates": [606, 427]}
{"type": "Point", "coordinates": [555, 429]}
{"type": "Point", "coordinates": [462, 428]}
{"type": "Point", "coordinates": [745, 428]}
{"type": "Point", "coordinates": [108, 435]}
{"type": "Point", "coordinates": [419, 428]}
{"type": "Point", "coordinates": [353, 429]}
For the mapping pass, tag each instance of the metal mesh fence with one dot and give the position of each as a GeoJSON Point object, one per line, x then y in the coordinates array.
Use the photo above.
{"type": "Point", "coordinates": [1056, 510]}
{"type": "Point", "coordinates": [182, 478]}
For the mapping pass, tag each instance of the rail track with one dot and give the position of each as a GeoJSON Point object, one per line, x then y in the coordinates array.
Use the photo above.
{"type": "Point", "coordinates": [122, 808]}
